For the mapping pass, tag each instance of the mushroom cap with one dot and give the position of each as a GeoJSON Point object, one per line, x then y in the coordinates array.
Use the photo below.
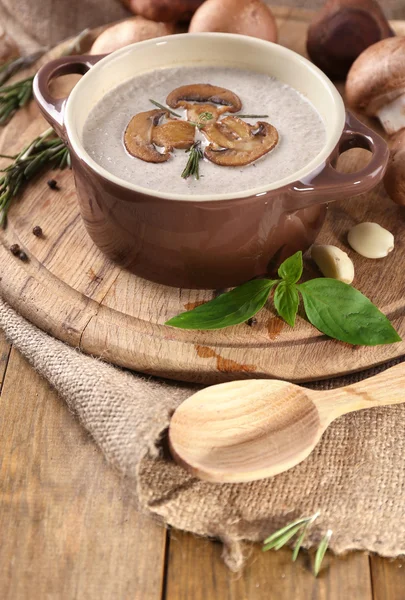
{"type": "Point", "coordinates": [163, 10]}
{"type": "Point", "coordinates": [139, 135]}
{"type": "Point", "coordinates": [135, 29]}
{"type": "Point", "coordinates": [377, 77]}
{"type": "Point", "coordinates": [342, 30]}
{"type": "Point", "coordinates": [204, 92]}
{"type": "Point", "coordinates": [394, 179]}
{"type": "Point", "coordinates": [246, 17]}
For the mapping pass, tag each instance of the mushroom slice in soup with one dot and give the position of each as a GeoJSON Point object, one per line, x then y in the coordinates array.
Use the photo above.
{"type": "Point", "coordinates": [174, 134]}
{"type": "Point", "coordinates": [235, 143]}
{"type": "Point", "coordinates": [138, 137]}
{"type": "Point", "coordinates": [203, 113]}
{"type": "Point", "coordinates": [205, 93]}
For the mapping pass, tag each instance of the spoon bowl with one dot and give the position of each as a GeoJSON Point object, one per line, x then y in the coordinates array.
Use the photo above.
{"type": "Point", "coordinates": [251, 429]}
{"type": "Point", "coordinates": [244, 427]}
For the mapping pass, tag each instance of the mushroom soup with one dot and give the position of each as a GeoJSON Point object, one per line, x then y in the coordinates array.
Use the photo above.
{"type": "Point", "coordinates": [149, 146]}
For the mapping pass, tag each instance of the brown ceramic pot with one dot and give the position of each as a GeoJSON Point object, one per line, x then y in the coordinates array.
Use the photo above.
{"type": "Point", "coordinates": [202, 241]}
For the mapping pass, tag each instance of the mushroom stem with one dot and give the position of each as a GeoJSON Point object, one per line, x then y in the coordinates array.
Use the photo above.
{"type": "Point", "coordinates": [392, 115]}
{"type": "Point", "coordinates": [376, 83]}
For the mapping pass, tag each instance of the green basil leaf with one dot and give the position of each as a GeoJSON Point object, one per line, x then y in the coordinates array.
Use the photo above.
{"type": "Point", "coordinates": [291, 268]}
{"type": "Point", "coordinates": [342, 312]}
{"type": "Point", "coordinates": [231, 308]}
{"type": "Point", "coordinates": [286, 301]}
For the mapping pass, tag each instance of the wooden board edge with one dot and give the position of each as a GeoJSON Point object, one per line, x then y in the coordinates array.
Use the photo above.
{"type": "Point", "coordinates": [93, 329]}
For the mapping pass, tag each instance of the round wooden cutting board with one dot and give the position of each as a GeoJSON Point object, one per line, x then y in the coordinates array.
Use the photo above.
{"type": "Point", "coordinates": [69, 289]}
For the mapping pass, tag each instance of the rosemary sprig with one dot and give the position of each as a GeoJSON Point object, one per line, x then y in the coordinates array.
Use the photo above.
{"type": "Point", "coordinates": [193, 164]}
{"type": "Point", "coordinates": [252, 116]}
{"type": "Point", "coordinates": [18, 94]}
{"type": "Point", "coordinates": [163, 107]}
{"type": "Point", "coordinates": [205, 116]}
{"type": "Point", "coordinates": [12, 66]}
{"type": "Point", "coordinates": [74, 46]}
{"type": "Point", "coordinates": [47, 150]}
{"type": "Point", "coordinates": [13, 97]}
{"type": "Point", "coordinates": [279, 538]}
{"type": "Point", "coordinates": [320, 553]}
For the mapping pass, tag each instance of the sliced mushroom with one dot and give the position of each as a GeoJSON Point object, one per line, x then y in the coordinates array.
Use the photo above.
{"type": "Point", "coordinates": [174, 134]}
{"type": "Point", "coordinates": [194, 112]}
{"type": "Point", "coordinates": [231, 132]}
{"type": "Point", "coordinates": [235, 143]}
{"type": "Point", "coordinates": [138, 137]}
{"type": "Point", "coordinates": [204, 92]}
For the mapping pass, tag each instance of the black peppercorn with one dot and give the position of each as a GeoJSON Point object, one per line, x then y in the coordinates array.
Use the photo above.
{"type": "Point", "coordinates": [37, 231]}
{"type": "Point", "coordinates": [251, 322]}
{"type": "Point", "coordinates": [22, 256]}
{"type": "Point", "coordinates": [14, 249]}
{"type": "Point", "coordinates": [53, 184]}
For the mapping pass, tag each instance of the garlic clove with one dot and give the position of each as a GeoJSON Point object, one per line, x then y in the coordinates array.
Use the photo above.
{"type": "Point", "coordinates": [371, 240]}
{"type": "Point", "coordinates": [333, 262]}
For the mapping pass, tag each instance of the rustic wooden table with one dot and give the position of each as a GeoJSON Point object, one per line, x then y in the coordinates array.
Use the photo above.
{"type": "Point", "coordinates": [70, 531]}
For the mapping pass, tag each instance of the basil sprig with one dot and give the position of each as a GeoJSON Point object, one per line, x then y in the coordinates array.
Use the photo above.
{"type": "Point", "coordinates": [228, 309]}
{"type": "Point", "coordinates": [335, 308]}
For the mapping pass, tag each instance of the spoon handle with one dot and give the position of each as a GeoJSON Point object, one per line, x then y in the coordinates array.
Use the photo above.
{"type": "Point", "coordinates": [383, 389]}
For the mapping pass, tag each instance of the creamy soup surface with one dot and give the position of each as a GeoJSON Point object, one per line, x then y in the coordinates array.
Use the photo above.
{"type": "Point", "coordinates": [300, 127]}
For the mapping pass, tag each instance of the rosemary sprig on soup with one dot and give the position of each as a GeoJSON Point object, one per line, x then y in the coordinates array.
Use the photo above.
{"type": "Point", "coordinates": [201, 130]}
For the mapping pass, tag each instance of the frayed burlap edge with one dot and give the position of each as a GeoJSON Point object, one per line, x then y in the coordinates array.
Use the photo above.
{"type": "Point", "coordinates": [355, 476]}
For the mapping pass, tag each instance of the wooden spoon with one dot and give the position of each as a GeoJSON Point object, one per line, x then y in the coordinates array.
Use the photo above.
{"type": "Point", "coordinates": [252, 429]}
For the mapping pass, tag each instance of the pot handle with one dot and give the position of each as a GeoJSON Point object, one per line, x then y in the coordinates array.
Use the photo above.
{"type": "Point", "coordinates": [328, 184]}
{"type": "Point", "coordinates": [53, 108]}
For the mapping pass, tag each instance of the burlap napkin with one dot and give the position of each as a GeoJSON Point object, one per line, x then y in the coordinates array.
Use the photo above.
{"type": "Point", "coordinates": [355, 477]}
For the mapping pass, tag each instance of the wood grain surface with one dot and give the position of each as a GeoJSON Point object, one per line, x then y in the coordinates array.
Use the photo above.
{"type": "Point", "coordinates": [70, 529]}
{"type": "Point", "coordinates": [68, 524]}
{"type": "Point", "coordinates": [71, 290]}
{"type": "Point", "coordinates": [266, 576]}
{"type": "Point", "coordinates": [4, 356]}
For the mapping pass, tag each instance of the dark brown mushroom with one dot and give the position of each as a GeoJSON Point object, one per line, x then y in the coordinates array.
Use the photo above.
{"type": "Point", "coordinates": [342, 30]}
{"type": "Point", "coordinates": [235, 143]}
{"type": "Point", "coordinates": [204, 92]}
{"type": "Point", "coordinates": [138, 137]}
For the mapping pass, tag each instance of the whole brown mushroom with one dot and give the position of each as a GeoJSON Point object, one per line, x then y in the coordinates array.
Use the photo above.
{"type": "Point", "coordinates": [376, 83]}
{"type": "Point", "coordinates": [135, 29]}
{"type": "Point", "coordinates": [247, 17]}
{"type": "Point", "coordinates": [164, 10]}
{"type": "Point", "coordinates": [394, 179]}
{"type": "Point", "coordinates": [341, 31]}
